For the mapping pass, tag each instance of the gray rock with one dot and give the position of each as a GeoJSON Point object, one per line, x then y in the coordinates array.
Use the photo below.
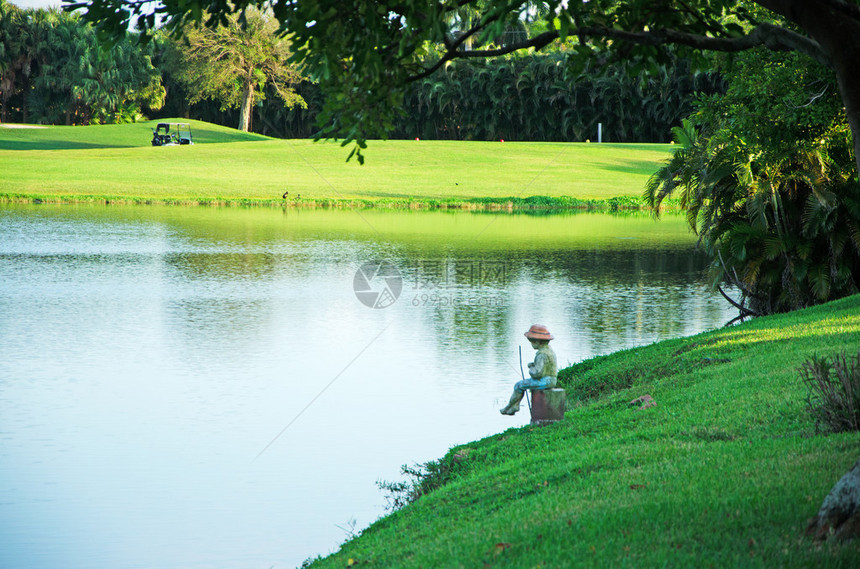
{"type": "Point", "coordinates": [839, 515]}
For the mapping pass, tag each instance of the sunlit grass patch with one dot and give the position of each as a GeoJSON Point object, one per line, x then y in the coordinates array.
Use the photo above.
{"type": "Point", "coordinates": [117, 163]}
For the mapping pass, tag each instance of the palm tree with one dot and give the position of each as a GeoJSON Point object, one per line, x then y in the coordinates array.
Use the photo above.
{"type": "Point", "coordinates": [53, 62]}
{"type": "Point", "coordinates": [782, 226]}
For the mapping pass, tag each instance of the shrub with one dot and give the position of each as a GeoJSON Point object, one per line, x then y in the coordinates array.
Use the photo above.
{"type": "Point", "coordinates": [833, 396]}
{"type": "Point", "coordinates": [422, 479]}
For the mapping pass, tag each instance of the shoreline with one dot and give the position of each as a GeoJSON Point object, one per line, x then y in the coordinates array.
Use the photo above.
{"type": "Point", "coordinates": [503, 204]}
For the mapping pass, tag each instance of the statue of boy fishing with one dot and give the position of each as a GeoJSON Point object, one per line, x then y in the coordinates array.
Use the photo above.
{"type": "Point", "coordinates": [543, 372]}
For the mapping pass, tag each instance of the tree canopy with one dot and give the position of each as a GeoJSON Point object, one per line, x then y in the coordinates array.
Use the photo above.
{"type": "Point", "coordinates": [234, 62]}
{"type": "Point", "coordinates": [364, 52]}
{"type": "Point", "coordinates": [765, 175]}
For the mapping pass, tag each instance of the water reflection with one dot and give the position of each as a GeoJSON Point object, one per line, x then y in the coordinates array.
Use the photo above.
{"type": "Point", "coordinates": [148, 355]}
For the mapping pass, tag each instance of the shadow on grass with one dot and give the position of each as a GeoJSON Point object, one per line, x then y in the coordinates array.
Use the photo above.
{"type": "Point", "coordinates": [203, 134]}
{"type": "Point", "coordinates": [632, 167]}
{"type": "Point", "coordinates": [54, 145]}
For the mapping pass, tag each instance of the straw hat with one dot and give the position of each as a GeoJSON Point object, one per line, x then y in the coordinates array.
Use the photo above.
{"type": "Point", "coordinates": [538, 332]}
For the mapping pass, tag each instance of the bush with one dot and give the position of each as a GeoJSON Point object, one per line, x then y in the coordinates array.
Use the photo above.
{"type": "Point", "coordinates": [834, 391]}
{"type": "Point", "coordinates": [422, 479]}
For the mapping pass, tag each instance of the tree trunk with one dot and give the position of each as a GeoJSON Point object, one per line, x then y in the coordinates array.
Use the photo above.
{"type": "Point", "coordinates": [837, 34]}
{"type": "Point", "coordinates": [848, 75]}
{"type": "Point", "coordinates": [24, 110]}
{"type": "Point", "coordinates": [245, 107]}
{"type": "Point", "coordinates": [840, 43]}
{"type": "Point", "coordinates": [6, 86]}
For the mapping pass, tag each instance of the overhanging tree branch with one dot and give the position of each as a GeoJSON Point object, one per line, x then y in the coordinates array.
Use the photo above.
{"type": "Point", "coordinates": [773, 37]}
{"type": "Point", "coordinates": [536, 42]}
{"type": "Point", "coordinates": [454, 50]}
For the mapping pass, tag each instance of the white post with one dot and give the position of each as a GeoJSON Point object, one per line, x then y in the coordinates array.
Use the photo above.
{"type": "Point", "coordinates": [599, 132]}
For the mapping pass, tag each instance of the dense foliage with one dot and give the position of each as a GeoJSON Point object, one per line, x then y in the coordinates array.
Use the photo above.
{"type": "Point", "coordinates": [539, 97]}
{"type": "Point", "coordinates": [545, 97]}
{"type": "Point", "coordinates": [767, 178]}
{"type": "Point", "coordinates": [230, 73]}
{"type": "Point", "coordinates": [54, 70]}
{"type": "Point", "coordinates": [234, 62]}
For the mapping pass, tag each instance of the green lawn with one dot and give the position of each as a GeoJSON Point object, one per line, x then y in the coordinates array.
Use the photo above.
{"type": "Point", "coordinates": [118, 162]}
{"type": "Point", "coordinates": [724, 472]}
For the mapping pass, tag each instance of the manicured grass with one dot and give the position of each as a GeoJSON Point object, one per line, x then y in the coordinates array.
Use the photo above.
{"type": "Point", "coordinates": [36, 137]}
{"type": "Point", "coordinates": [117, 163]}
{"type": "Point", "coordinates": [724, 472]}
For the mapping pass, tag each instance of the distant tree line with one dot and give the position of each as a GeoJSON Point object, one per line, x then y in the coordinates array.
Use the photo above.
{"type": "Point", "coordinates": [538, 97]}
{"type": "Point", "coordinates": [53, 71]}
{"type": "Point", "coordinates": [545, 97]}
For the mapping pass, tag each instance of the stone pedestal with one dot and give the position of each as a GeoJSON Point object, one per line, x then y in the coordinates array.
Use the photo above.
{"type": "Point", "coordinates": [548, 405]}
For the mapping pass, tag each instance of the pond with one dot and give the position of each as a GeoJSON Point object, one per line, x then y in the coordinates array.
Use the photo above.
{"type": "Point", "coordinates": [213, 387]}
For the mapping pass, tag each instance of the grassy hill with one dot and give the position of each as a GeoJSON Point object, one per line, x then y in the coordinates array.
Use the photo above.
{"type": "Point", "coordinates": [723, 472]}
{"type": "Point", "coordinates": [117, 163]}
{"type": "Point", "coordinates": [36, 137]}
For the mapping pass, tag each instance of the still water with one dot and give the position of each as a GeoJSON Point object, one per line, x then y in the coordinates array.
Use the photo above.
{"type": "Point", "coordinates": [203, 388]}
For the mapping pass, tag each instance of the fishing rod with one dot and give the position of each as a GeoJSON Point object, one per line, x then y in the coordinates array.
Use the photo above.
{"type": "Point", "coordinates": [524, 378]}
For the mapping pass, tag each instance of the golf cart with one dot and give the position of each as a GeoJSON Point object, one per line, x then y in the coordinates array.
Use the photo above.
{"type": "Point", "coordinates": [162, 135]}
